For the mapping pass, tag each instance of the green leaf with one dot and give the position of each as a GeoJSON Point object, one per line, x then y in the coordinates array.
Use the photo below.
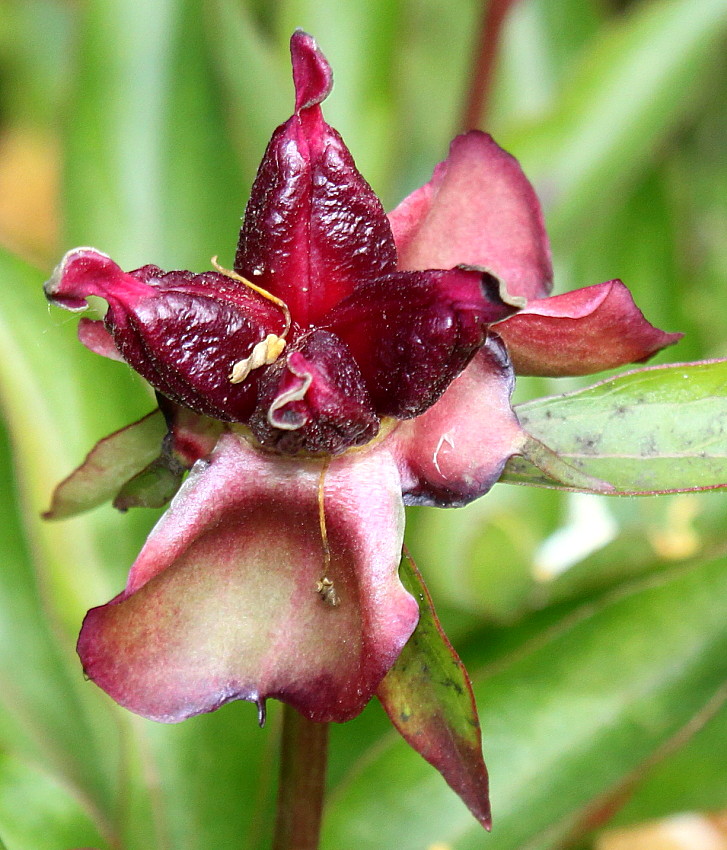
{"type": "Point", "coordinates": [149, 178]}
{"type": "Point", "coordinates": [153, 487]}
{"type": "Point", "coordinates": [38, 813]}
{"type": "Point", "coordinates": [111, 463]}
{"type": "Point", "coordinates": [635, 83]}
{"type": "Point", "coordinates": [566, 715]}
{"type": "Point", "coordinates": [428, 696]}
{"type": "Point", "coordinates": [655, 430]}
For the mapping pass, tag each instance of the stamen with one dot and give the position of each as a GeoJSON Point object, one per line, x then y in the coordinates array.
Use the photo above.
{"type": "Point", "coordinates": [267, 351]}
{"type": "Point", "coordinates": [260, 291]}
{"type": "Point", "coordinates": [325, 586]}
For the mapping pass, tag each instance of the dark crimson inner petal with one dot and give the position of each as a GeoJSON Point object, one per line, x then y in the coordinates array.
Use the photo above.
{"type": "Point", "coordinates": [412, 333]}
{"type": "Point", "coordinates": [313, 227]}
{"type": "Point", "coordinates": [314, 400]}
{"type": "Point", "coordinates": [185, 346]}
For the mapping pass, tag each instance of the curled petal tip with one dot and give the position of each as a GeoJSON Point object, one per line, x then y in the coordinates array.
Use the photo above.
{"type": "Point", "coordinates": [62, 287]}
{"type": "Point", "coordinates": [312, 74]}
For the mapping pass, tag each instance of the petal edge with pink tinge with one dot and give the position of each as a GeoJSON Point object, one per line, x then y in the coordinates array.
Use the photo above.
{"type": "Point", "coordinates": [478, 209]}
{"type": "Point", "coordinates": [581, 332]}
{"type": "Point", "coordinates": [222, 602]}
{"type": "Point", "coordinates": [456, 451]}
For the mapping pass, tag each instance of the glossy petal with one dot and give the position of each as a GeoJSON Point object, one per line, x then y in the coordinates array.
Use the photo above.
{"type": "Point", "coordinates": [313, 227]}
{"type": "Point", "coordinates": [455, 452]}
{"type": "Point", "coordinates": [182, 332]}
{"type": "Point", "coordinates": [480, 210]}
{"type": "Point", "coordinates": [581, 332]}
{"type": "Point", "coordinates": [312, 74]}
{"type": "Point", "coordinates": [428, 696]}
{"type": "Point", "coordinates": [222, 602]}
{"type": "Point", "coordinates": [314, 400]}
{"type": "Point", "coordinates": [413, 333]}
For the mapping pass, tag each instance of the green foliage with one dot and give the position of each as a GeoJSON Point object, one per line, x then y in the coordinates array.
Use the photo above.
{"type": "Point", "coordinates": [659, 429]}
{"type": "Point", "coordinates": [594, 629]}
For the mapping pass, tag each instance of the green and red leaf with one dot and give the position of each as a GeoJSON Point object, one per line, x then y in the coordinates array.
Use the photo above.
{"type": "Point", "coordinates": [428, 697]}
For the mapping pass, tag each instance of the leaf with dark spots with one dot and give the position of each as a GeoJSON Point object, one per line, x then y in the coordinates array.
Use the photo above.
{"type": "Point", "coordinates": [428, 696]}
{"type": "Point", "coordinates": [654, 430]}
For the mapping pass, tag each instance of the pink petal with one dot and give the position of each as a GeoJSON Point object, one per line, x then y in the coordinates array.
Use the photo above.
{"type": "Point", "coordinates": [182, 332]}
{"type": "Point", "coordinates": [313, 227]}
{"type": "Point", "coordinates": [222, 602]}
{"type": "Point", "coordinates": [412, 333]}
{"type": "Point", "coordinates": [480, 210]}
{"type": "Point", "coordinates": [456, 451]}
{"type": "Point", "coordinates": [584, 331]}
{"type": "Point", "coordinates": [96, 338]}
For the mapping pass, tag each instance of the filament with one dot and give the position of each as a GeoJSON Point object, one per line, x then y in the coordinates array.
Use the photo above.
{"type": "Point", "coordinates": [322, 517]}
{"type": "Point", "coordinates": [260, 291]}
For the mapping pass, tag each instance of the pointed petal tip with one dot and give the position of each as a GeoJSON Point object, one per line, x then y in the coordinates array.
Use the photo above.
{"type": "Point", "coordinates": [581, 332]}
{"type": "Point", "coordinates": [312, 74]}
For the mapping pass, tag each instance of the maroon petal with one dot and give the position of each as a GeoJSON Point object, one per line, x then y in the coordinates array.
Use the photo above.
{"type": "Point", "coordinates": [480, 210]}
{"type": "Point", "coordinates": [224, 601]}
{"type": "Point", "coordinates": [313, 227]}
{"type": "Point", "coordinates": [312, 74]}
{"type": "Point", "coordinates": [584, 331]}
{"type": "Point", "coordinates": [412, 333]}
{"type": "Point", "coordinates": [456, 451]}
{"type": "Point", "coordinates": [314, 400]}
{"type": "Point", "coordinates": [182, 332]}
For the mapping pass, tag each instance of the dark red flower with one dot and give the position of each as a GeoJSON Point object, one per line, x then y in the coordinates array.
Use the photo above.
{"type": "Point", "coordinates": [352, 359]}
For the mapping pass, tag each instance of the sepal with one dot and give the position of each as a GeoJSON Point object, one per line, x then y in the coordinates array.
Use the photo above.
{"type": "Point", "coordinates": [110, 464]}
{"type": "Point", "coordinates": [428, 697]}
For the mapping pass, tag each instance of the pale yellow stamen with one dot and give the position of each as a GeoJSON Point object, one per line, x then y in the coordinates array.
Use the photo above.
{"type": "Point", "coordinates": [267, 351]}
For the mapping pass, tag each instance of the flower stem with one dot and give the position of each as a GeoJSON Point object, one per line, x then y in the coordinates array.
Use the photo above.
{"type": "Point", "coordinates": [483, 65]}
{"type": "Point", "coordinates": [304, 750]}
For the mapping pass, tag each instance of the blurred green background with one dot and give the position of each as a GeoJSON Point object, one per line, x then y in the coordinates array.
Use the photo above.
{"type": "Point", "coordinates": [595, 630]}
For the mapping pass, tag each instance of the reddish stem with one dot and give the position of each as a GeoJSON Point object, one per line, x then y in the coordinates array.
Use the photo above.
{"type": "Point", "coordinates": [304, 751]}
{"type": "Point", "coordinates": [483, 66]}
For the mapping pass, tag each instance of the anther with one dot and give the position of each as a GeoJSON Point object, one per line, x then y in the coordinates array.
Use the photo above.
{"type": "Point", "coordinates": [267, 351]}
